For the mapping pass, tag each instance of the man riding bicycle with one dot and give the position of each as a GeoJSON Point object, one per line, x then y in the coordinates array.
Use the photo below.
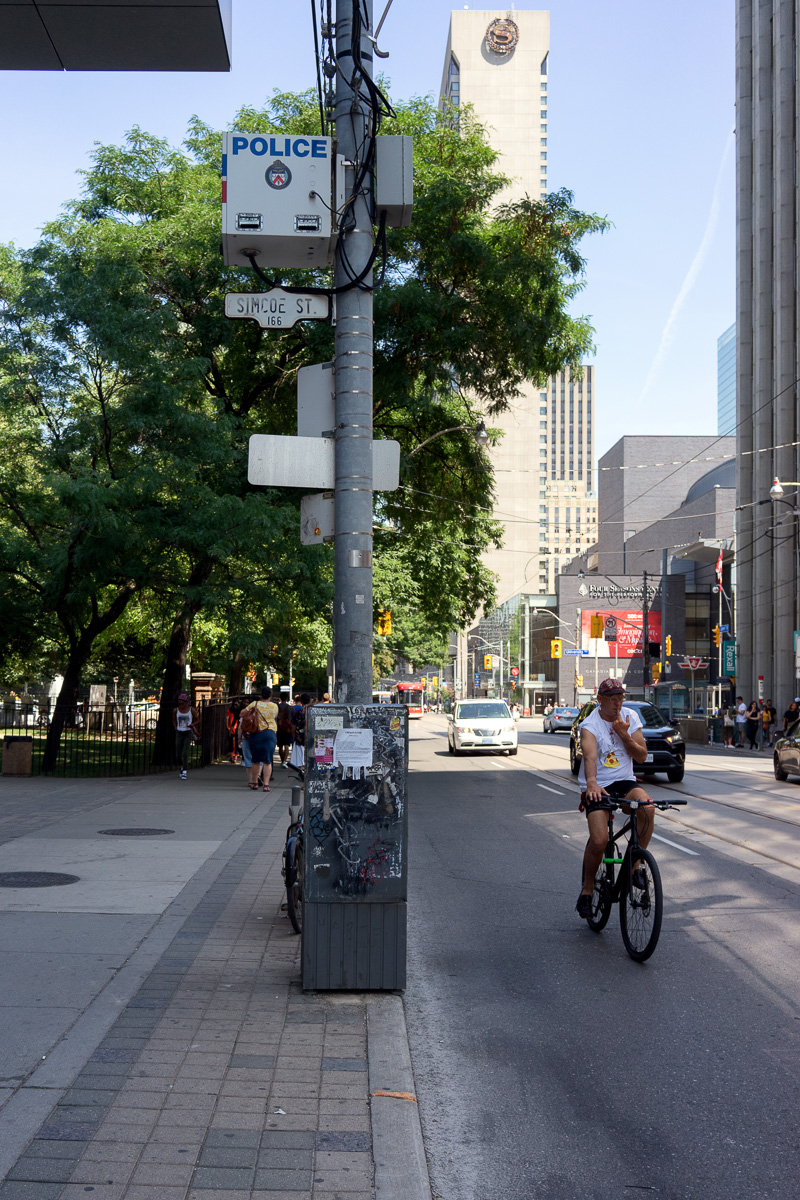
{"type": "Point", "coordinates": [611, 742]}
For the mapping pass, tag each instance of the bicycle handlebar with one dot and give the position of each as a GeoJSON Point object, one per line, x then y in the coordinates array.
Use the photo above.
{"type": "Point", "coordinates": [662, 804]}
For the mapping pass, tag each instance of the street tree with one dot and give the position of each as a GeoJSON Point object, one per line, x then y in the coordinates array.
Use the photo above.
{"type": "Point", "coordinates": [116, 318]}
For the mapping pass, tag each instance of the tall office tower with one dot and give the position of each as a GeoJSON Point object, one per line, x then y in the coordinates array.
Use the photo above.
{"type": "Point", "coordinates": [726, 382]}
{"type": "Point", "coordinates": [497, 61]}
{"type": "Point", "coordinates": [768, 345]}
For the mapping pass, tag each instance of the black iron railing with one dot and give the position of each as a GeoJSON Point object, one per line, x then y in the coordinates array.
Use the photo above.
{"type": "Point", "coordinates": [113, 739]}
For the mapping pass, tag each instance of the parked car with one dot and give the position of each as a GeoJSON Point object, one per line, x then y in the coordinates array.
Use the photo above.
{"type": "Point", "coordinates": [142, 714]}
{"type": "Point", "coordinates": [666, 749]}
{"type": "Point", "coordinates": [786, 753]}
{"type": "Point", "coordinates": [559, 719]}
{"type": "Point", "coordinates": [481, 725]}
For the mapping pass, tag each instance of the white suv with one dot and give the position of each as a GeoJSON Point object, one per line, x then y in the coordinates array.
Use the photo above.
{"type": "Point", "coordinates": [481, 725]}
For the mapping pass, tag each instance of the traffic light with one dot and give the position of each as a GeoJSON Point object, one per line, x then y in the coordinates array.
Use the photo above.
{"type": "Point", "coordinates": [384, 621]}
{"type": "Point", "coordinates": [555, 648]}
{"type": "Point", "coordinates": [717, 636]}
{"type": "Point", "coordinates": [275, 679]}
{"type": "Point", "coordinates": [579, 680]}
{"type": "Point", "coordinates": [668, 646]}
{"type": "Point", "coordinates": [596, 630]}
{"type": "Point", "coordinates": [487, 662]}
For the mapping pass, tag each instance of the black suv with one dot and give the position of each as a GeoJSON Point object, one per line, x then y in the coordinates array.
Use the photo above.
{"type": "Point", "coordinates": [666, 749]}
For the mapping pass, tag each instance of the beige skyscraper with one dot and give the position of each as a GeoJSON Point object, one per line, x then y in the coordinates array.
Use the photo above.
{"type": "Point", "coordinates": [497, 60]}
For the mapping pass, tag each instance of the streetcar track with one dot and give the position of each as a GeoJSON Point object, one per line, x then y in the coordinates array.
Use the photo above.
{"type": "Point", "coordinates": [692, 795]}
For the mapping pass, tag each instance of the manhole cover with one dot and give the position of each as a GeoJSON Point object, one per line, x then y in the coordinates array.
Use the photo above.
{"type": "Point", "coordinates": [22, 879]}
{"type": "Point", "coordinates": [135, 832]}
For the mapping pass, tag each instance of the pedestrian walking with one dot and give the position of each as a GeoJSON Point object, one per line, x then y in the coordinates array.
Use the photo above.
{"type": "Point", "coordinates": [285, 733]}
{"type": "Point", "coordinates": [728, 725]}
{"type": "Point", "coordinates": [741, 720]}
{"type": "Point", "coordinates": [752, 720]}
{"type": "Point", "coordinates": [768, 715]}
{"type": "Point", "coordinates": [184, 722]}
{"type": "Point", "coordinates": [298, 759]}
{"type": "Point", "coordinates": [234, 709]}
{"type": "Point", "coordinates": [791, 715]}
{"type": "Point", "coordinates": [264, 738]}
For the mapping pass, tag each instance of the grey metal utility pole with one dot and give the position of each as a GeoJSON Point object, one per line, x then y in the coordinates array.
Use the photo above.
{"type": "Point", "coordinates": [352, 620]}
{"type": "Point", "coordinates": [645, 636]}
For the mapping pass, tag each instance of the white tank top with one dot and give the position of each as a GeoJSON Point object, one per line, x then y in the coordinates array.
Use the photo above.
{"type": "Point", "coordinates": [183, 720]}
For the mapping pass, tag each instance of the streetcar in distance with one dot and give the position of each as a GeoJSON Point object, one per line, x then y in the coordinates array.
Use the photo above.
{"type": "Point", "coordinates": [381, 697]}
{"type": "Point", "coordinates": [409, 694]}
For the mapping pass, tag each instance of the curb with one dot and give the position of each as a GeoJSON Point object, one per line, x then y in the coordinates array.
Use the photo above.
{"type": "Point", "coordinates": [401, 1170]}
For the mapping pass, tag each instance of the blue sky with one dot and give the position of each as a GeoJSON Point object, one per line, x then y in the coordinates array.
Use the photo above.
{"type": "Point", "coordinates": [641, 118]}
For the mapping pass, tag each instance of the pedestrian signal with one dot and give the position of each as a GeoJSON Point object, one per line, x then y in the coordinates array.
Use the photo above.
{"type": "Point", "coordinates": [555, 648]}
{"type": "Point", "coordinates": [596, 630]}
{"type": "Point", "coordinates": [384, 621]}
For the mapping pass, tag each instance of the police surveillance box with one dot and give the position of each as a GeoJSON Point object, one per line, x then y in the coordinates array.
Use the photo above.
{"type": "Point", "coordinates": [277, 197]}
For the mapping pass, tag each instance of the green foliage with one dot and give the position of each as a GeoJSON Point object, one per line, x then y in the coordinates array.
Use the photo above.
{"type": "Point", "coordinates": [127, 400]}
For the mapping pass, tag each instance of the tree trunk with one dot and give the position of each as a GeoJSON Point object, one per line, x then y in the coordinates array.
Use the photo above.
{"type": "Point", "coordinates": [65, 706]}
{"type": "Point", "coordinates": [78, 657]}
{"type": "Point", "coordinates": [175, 667]}
{"type": "Point", "coordinates": [237, 671]}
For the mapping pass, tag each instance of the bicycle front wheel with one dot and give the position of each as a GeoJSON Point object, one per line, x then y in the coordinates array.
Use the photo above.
{"type": "Point", "coordinates": [601, 898]}
{"type": "Point", "coordinates": [640, 909]}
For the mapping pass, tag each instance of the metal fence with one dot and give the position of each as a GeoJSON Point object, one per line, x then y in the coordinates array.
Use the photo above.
{"type": "Point", "coordinates": [111, 739]}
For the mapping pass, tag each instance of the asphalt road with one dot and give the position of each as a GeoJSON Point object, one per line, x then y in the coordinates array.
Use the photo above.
{"type": "Point", "coordinates": [549, 1064]}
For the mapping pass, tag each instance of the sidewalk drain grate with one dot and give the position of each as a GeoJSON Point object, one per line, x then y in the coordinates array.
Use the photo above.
{"type": "Point", "coordinates": [35, 879]}
{"type": "Point", "coordinates": [135, 832]}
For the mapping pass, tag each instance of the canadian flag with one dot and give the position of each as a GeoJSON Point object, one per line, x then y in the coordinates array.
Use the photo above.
{"type": "Point", "coordinates": [719, 569]}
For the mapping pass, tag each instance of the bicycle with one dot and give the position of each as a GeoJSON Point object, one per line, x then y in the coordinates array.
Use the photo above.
{"type": "Point", "coordinates": [640, 908]}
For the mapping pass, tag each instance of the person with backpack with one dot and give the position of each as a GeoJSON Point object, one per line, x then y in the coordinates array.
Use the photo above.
{"type": "Point", "coordinates": [260, 727]}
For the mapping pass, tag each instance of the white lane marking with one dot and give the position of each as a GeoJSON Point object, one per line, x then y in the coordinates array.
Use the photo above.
{"type": "Point", "coordinates": [685, 849]}
{"type": "Point", "coordinates": [557, 791]}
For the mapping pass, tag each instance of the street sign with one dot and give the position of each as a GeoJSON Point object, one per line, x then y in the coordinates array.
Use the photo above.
{"type": "Point", "coordinates": [277, 309]}
{"type": "Point", "coordinates": [316, 518]}
{"type": "Point", "coordinates": [476, 678]}
{"type": "Point", "coordinates": [276, 460]}
{"type": "Point", "coordinates": [724, 628]}
{"type": "Point", "coordinates": [693, 664]}
{"type": "Point", "coordinates": [514, 672]}
{"type": "Point", "coordinates": [316, 400]}
{"type": "Point", "coordinates": [729, 658]}
{"type": "Point", "coordinates": [576, 653]}
{"type": "Point", "coordinates": [610, 629]}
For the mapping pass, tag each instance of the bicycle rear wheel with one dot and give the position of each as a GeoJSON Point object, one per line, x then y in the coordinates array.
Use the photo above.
{"type": "Point", "coordinates": [294, 890]}
{"type": "Point", "coordinates": [601, 896]}
{"type": "Point", "coordinates": [640, 909]}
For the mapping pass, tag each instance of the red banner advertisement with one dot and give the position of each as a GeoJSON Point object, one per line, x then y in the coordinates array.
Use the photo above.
{"type": "Point", "coordinates": [629, 632]}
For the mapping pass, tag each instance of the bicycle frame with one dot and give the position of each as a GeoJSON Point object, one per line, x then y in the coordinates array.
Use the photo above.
{"type": "Point", "coordinates": [611, 860]}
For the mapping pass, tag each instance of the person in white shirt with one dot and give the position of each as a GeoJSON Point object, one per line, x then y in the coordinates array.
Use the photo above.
{"type": "Point", "coordinates": [611, 742]}
{"type": "Point", "coordinates": [741, 721]}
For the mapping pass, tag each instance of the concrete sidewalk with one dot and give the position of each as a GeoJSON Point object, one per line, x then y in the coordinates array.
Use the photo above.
{"type": "Point", "coordinates": [180, 1059]}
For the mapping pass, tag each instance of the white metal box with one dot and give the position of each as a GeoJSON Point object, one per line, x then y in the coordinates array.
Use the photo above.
{"type": "Point", "coordinates": [394, 179]}
{"type": "Point", "coordinates": [277, 193]}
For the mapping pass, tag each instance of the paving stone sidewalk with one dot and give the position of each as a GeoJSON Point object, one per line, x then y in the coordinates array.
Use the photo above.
{"type": "Point", "coordinates": [220, 1078]}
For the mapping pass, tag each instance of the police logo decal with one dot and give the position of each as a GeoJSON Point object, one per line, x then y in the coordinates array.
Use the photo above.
{"type": "Point", "coordinates": [278, 175]}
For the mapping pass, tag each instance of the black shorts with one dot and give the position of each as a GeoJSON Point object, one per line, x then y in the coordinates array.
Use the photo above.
{"type": "Point", "coordinates": [617, 790]}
